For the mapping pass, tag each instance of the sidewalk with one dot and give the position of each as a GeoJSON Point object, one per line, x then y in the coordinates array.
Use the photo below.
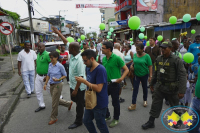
{"type": "Point", "coordinates": [11, 86]}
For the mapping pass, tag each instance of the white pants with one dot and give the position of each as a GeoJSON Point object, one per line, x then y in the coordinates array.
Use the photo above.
{"type": "Point", "coordinates": [39, 84]}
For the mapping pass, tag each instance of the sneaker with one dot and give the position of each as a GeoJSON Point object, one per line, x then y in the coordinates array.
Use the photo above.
{"type": "Point", "coordinates": [121, 100]}
{"type": "Point", "coordinates": [147, 125]}
{"type": "Point", "coordinates": [113, 123]}
{"type": "Point", "coordinates": [29, 95]}
{"type": "Point", "coordinates": [145, 103]}
{"type": "Point", "coordinates": [132, 107]}
{"type": "Point", "coordinates": [32, 92]}
{"type": "Point", "coordinates": [108, 118]}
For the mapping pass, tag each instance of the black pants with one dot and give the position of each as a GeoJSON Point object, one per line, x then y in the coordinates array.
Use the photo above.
{"type": "Point", "coordinates": [66, 66]}
{"type": "Point", "coordinates": [80, 102]}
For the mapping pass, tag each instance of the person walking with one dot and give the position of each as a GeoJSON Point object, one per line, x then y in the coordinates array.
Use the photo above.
{"type": "Point", "coordinates": [142, 71]}
{"type": "Point", "coordinates": [77, 89]}
{"type": "Point", "coordinates": [128, 58]}
{"type": "Point", "coordinates": [169, 79]}
{"type": "Point", "coordinates": [97, 80]}
{"type": "Point", "coordinates": [195, 49]}
{"type": "Point", "coordinates": [42, 62]}
{"type": "Point", "coordinates": [113, 65]}
{"type": "Point", "coordinates": [26, 68]}
{"type": "Point", "coordinates": [56, 73]}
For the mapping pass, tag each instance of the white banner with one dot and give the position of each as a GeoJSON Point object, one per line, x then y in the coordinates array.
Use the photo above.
{"type": "Point", "coordinates": [113, 23]}
{"type": "Point", "coordinates": [95, 5]}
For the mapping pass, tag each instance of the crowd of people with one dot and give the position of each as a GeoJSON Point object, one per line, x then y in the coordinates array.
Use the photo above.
{"type": "Point", "coordinates": [103, 66]}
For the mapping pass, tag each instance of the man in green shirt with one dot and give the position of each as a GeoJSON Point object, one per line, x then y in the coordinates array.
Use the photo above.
{"type": "Point", "coordinates": [113, 65]}
{"type": "Point", "coordinates": [42, 62]}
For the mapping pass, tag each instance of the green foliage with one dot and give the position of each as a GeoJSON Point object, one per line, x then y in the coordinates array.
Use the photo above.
{"type": "Point", "coordinates": [2, 39]}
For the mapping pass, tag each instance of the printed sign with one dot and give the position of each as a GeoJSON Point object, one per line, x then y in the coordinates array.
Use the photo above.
{"type": "Point", "coordinates": [6, 28]}
{"type": "Point", "coordinates": [147, 5]}
{"type": "Point", "coordinates": [95, 5]}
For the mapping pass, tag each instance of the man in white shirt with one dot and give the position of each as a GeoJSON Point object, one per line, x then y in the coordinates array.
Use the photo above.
{"type": "Point", "coordinates": [26, 68]}
{"type": "Point", "coordinates": [116, 51]}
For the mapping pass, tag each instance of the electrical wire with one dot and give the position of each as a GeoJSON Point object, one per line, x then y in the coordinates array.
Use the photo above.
{"type": "Point", "coordinates": [35, 10]}
{"type": "Point", "coordinates": [41, 7]}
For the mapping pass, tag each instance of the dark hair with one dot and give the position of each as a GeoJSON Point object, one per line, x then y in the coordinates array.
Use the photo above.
{"type": "Point", "coordinates": [57, 46]}
{"type": "Point", "coordinates": [128, 45]}
{"type": "Point", "coordinates": [89, 54]}
{"type": "Point", "coordinates": [84, 43]}
{"type": "Point", "coordinates": [108, 45]}
{"type": "Point", "coordinates": [197, 36]}
{"type": "Point", "coordinates": [26, 43]}
{"type": "Point", "coordinates": [153, 38]}
{"type": "Point", "coordinates": [141, 45]}
{"type": "Point", "coordinates": [62, 46]}
{"type": "Point", "coordinates": [55, 54]}
{"type": "Point", "coordinates": [174, 42]}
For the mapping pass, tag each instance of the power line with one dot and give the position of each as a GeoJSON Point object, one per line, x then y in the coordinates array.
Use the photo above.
{"type": "Point", "coordinates": [35, 10]}
{"type": "Point", "coordinates": [41, 7]}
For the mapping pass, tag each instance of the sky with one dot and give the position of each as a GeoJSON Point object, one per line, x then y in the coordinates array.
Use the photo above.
{"type": "Point", "coordinates": [90, 17]}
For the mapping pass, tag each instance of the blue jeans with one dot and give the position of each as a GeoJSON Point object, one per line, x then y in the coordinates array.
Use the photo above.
{"type": "Point", "coordinates": [97, 114]}
{"type": "Point", "coordinates": [195, 105]}
{"type": "Point", "coordinates": [136, 87]}
{"type": "Point", "coordinates": [113, 90]}
{"type": "Point", "coordinates": [28, 79]}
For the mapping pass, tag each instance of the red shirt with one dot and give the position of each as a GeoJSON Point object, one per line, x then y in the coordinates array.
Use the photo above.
{"type": "Point", "coordinates": [64, 55]}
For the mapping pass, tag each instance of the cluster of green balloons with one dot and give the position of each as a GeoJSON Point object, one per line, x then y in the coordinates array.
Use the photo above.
{"type": "Point", "coordinates": [82, 37]}
{"type": "Point", "coordinates": [193, 31]}
{"type": "Point", "coordinates": [141, 35]}
{"type": "Point", "coordinates": [70, 39]}
{"type": "Point", "coordinates": [134, 22]}
{"type": "Point", "coordinates": [102, 26]}
{"type": "Point", "coordinates": [188, 57]}
{"type": "Point", "coordinates": [160, 38]}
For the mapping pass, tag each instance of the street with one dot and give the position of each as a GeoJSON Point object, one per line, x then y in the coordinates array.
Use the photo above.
{"type": "Point", "coordinates": [25, 120]}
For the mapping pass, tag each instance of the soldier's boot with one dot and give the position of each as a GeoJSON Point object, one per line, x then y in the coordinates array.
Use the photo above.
{"type": "Point", "coordinates": [149, 124]}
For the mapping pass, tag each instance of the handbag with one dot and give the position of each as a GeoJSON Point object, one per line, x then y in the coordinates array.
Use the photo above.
{"type": "Point", "coordinates": [90, 98]}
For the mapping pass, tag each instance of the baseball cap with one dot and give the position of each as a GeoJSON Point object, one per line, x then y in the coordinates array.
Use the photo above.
{"type": "Point", "coordinates": [166, 44]}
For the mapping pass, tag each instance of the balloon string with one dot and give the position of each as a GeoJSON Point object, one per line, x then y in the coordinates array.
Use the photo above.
{"type": "Point", "coordinates": [185, 27]}
{"type": "Point", "coordinates": [174, 30]}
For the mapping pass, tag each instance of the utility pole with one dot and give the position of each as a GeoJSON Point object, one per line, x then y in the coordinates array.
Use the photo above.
{"type": "Point", "coordinates": [134, 14]}
{"type": "Point", "coordinates": [31, 24]}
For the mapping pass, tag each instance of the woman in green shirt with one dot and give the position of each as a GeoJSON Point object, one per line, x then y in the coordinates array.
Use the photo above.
{"type": "Point", "coordinates": [142, 70]}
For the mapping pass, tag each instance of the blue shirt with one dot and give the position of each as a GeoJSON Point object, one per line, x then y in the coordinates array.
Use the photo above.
{"type": "Point", "coordinates": [195, 68]}
{"type": "Point", "coordinates": [194, 49]}
{"type": "Point", "coordinates": [56, 71]}
{"type": "Point", "coordinates": [99, 76]}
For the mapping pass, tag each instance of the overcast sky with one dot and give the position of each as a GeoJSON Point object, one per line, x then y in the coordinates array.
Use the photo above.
{"type": "Point", "coordinates": [90, 17]}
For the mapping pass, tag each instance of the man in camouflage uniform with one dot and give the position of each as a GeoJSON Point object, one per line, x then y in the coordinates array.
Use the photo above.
{"type": "Point", "coordinates": [170, 81]}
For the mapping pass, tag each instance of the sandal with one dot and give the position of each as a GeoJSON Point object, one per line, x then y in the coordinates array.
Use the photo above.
{"type": "Point", "coordinates": [132, 107]}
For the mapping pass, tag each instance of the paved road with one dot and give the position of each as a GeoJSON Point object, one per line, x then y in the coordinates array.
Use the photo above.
{"type": "Point", "coordinates": [25, 120]}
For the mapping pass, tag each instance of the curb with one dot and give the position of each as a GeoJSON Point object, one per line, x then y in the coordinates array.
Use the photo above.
{"type": "Point", "coordinates": [10, 105]}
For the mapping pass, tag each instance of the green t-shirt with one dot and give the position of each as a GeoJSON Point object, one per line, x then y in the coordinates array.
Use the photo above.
{"type": "Point", "coordinates": [113, 66]}
{"type": "Point", "coordinates": [141, 65]}
{"type": "Point", "coordinates": [197, 87]}
{"type": "Point", "coordinates": [42, 63]}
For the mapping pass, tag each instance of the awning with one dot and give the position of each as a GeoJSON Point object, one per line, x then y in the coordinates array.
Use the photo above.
{"type": "Point", "coordinates": [173, 27]}
{"type": "Point", "coordinates": [122, 31]}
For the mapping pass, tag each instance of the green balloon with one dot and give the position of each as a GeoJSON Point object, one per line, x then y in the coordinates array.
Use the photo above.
{"type": "Point", "coordinates": [186, 18]}
{"type": "Point", "coordinates": [188, 57]}
{"type": "Point", "coordinates": [82, 37]}
{"type": "Point", "coordinates": [114, 34]}
{"type": "Point", "coordinates": [131, 39]}
{"type": "Point", "coordinates": [148, 44]}
{"type": "Point", "coordinates": [108, 36]}
{"type": "Point", "coordinates": [193, 31]}
{"type": "Point", "coordinates": [111, 29]}
{"type": "Point", "coordinates": [134, 22]}
{"type": "Point", "coordinates": [160, 38]}
{"type": "Point", "coordinates": [131, 42]}
{"type": "Point", "coordinates": [141, 35]}
{"type": "Point", "coordinates": [109, 33]}
{"type": "Point", "coordinates": [172, 19]}
{"type": "Point", "coordinates": [198, 16]}
{"type": "Point", "coordinates": [145, 37]}
{"type": "Point", "coordinates": [79, 40]}
{"type": "Point", "coordinates": [138, 28]}
{"type": "Point", "coordinates": [70, 39]}
{"type": "Point", "coordinates": [102, 26]}
{"type": "Point", "coordinates": [142, 29]}
{"type": "Point", "coordinates": [180, 55]}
